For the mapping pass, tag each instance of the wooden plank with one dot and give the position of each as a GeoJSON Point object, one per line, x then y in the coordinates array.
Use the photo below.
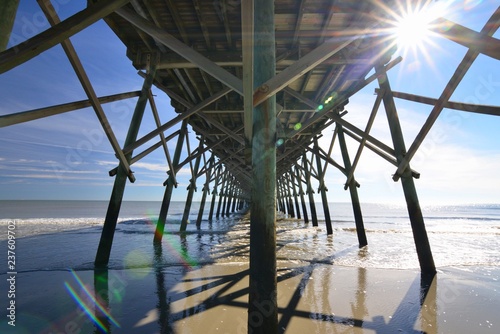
{"type": "Point", "coordinates": [32, 47]}
{"type": "Point", "coordinates": [30, 115]}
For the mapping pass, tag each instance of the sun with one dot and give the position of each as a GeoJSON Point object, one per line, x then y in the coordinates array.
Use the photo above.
{"type": "Point", "coordinates": [412, 30]}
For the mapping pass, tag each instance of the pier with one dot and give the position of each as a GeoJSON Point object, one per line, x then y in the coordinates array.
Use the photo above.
{"type": "Point", "coordinates": [259, 82]}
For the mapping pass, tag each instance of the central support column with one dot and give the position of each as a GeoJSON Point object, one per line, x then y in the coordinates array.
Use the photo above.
{"type": "Point", "coordinates": [415, 212]}
{"type": "Point", "coordinates": [262, 307]}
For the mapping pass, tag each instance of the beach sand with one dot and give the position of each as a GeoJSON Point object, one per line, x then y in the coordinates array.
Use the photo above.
{"type": "Point", "coordinates": [313, 298]}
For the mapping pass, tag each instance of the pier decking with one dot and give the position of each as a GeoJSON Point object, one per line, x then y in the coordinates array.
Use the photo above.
{"type": "Point", "coordinates": [258, 81]}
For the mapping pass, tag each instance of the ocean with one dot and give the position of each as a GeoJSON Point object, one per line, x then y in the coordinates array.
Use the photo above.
{"type": "Point", "coordinates": [65, 234]}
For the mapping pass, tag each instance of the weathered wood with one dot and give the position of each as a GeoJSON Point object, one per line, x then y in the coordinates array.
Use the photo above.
{"type": "Point", "coordinates": [31, 115]}
{"type": "Point", "coordinates": [262, 303]}
{"type": "Point", "coordinates": [474, 108]}
{"type": "Point", "coordinates": [115, 202]}
{"type": "Point", "coordinates": [206, 191]}
{"type": "Point", "coordinates": [214, 193]}
{"type": "Point", "coordinates": [301, 194]}
{"type": "Point", "coordinates": [8, 10]}
{"type": "Point", "coordinates": [415, 212]}
{"type": "Point", "coordinates": [191, 190]}
{"type": "Point", "coordinates": [302, 66]}
{"type": "Point", "coordinates": [368, 127]}
{"type": "Point", "coordinates": [32, 47]}
{"type": "Point", "coordinates": [356, 207]}
{"type": "Point", "coordinates": [175, 120]}
{"type": "Point", "coordinates": [221, 194]}
{"type": "Point", "coordinates": [294, 193]}
{"type": "Point", "coordinates": [306, 165]}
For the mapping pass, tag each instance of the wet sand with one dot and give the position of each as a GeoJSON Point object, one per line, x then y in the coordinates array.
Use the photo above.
{"type": "Point", "coordinates": [313, 298]}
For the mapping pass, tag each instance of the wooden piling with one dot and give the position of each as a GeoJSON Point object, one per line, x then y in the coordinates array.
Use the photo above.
{"type": "Point", "coordinates": [221, 194]}
{"type": "Point", "coordinates": [291, 210]}
{"type": "Point", "coordinates": [424, 253]}
{"type": "Point", "coordinates": [356, 207]}
{"type": "Point", "coordinates": [206, 190]}
{"type": "Point", "coordinates": [301, 194]}
{"type": "Point", "coordinates": [115, 202]}
{"type": "Point", "coordinates": [294, 193]}
{"type": "Point", "coordinates": [165, 204]}
{"type": "Point", "coordinates": [310, 190]}
{"type": "Point", "coordinates": [214, 193]}
{"type": "Point", "coordinates": [263, 307]}
{"type": "Point", "coordinates": [322, 189]}
{"type": "Point", "coordinates": [191, 190]}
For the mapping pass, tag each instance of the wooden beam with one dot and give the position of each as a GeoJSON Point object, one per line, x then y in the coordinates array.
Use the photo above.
{"type": "Point", "coordinates": [474, 108]}
{"type": "Point", "coordinates": [32, 47]}
{"type": "Point", "coordinates": [26, 116]}
{"type": "Point", "coordinates": [476, 42]}
{"type": "Point", "coordinates": [262, 301]}
{"type": "Point", "coordinates": [182, 49]}
{"type": "Point", "coordinates": [303, 65]}
{"type": "Point", "coordinates": [368, 127]}
{"type": "Point", "coordinates": [420, 237]}
{"type": "Point", "coordinates": [175, 120]}
{"type": "Point", "coordinates": [247, 31]}
{"type": "Point", "coordinates": [342, 98]}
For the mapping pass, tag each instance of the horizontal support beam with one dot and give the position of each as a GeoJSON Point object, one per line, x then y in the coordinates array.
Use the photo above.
{"type": "Point", "coordinates": [32, 47]}
{"type": "Point", "coordinates": [26, 116]}
{"type": "Point", "coordinates": [475, 108]}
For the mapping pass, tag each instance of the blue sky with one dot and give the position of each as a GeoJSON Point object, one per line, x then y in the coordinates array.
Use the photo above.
{"type": "Point", "coordinates": [67, 156]}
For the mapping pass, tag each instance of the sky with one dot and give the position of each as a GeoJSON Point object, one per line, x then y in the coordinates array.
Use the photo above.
{"type": "Point", "coordinates": [68, 157]}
